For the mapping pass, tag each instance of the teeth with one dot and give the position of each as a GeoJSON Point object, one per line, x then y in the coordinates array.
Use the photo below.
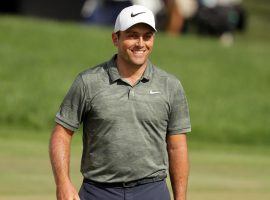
{"type": "Point", "coordinates": [138, 52]}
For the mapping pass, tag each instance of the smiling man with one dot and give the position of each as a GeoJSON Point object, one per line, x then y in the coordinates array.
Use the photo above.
{"type": "Point", "coordinates": [135, 119]}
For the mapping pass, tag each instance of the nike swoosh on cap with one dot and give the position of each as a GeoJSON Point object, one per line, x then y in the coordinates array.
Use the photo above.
{"type": "Point", "coordinates": [134, 15]}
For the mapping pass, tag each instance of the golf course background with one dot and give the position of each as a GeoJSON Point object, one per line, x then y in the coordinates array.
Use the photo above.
{"type": "Point", "coordinates": [227, 89]}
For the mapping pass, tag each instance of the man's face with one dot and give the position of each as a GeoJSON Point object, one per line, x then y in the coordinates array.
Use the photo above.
{"type": "Point", "coordinates": [135, 44]}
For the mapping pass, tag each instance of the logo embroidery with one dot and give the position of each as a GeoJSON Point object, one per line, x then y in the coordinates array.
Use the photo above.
{"type": "Point", "coordinates": [134, 15]}
{"type": "Point", "coordinates": [154, 92]}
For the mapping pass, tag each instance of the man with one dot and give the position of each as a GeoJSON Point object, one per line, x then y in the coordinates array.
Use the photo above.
{"type": "Point", "coordinates": [134, 117]}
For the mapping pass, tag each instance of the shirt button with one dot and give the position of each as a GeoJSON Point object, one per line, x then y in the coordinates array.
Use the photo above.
{"type": "Point", "coordinates": [132, 93]}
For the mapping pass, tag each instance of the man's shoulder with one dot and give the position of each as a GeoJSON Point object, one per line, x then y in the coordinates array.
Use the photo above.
{"type": "Point", "coordinates": [162, 74]}
{"type": "Point", "coordinates": [99, 69]}
{"type": "Point", "coordinates": [95, 73]}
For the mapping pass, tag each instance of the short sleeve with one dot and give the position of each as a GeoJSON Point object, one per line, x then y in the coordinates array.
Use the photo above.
{"type": "Point", "coordinates": [179, 119]}
{"type": "Point", "coordinates": [72, 109]}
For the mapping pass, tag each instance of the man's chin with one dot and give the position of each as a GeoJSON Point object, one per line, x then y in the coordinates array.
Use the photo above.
{"type": "Point", "coordinates": [139, 62]}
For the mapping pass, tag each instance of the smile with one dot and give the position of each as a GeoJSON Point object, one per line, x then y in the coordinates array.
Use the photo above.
{"type": "Point", "coordinates": [138, 52]}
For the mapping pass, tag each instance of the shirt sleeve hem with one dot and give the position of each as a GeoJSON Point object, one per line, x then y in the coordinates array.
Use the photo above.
{"type": "Point", "coordinates": [178, 131]}
{"type": "Point", "coordinates": [65, 124]}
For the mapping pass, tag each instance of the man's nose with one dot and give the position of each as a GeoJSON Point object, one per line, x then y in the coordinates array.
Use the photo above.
{"type": "Point", "coordinates": [140, 41]}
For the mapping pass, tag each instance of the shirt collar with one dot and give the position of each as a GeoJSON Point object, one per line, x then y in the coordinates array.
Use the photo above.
{"type": "Point", "coordinates": [112, 69]}
{"type": "Point", "coordinates": [114, 74]}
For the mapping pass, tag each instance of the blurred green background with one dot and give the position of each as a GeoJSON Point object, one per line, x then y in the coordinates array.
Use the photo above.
{"type": "Point", "coordinates": [227, 89]}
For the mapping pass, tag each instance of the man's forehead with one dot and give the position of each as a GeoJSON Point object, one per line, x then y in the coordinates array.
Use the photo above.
{"type": "Point", "coordinates": [141, 27]}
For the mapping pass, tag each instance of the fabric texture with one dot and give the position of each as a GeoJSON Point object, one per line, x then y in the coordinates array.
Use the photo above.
{"type": "Point", "coordinates": [124, 127]}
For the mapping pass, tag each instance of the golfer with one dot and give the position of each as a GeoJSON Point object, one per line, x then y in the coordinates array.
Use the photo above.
{"type": "Point", "coordinates": [135, 118]}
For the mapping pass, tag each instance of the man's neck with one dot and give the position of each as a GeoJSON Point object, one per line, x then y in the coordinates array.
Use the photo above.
{"type": "Point", "coordinates": [129, 72]}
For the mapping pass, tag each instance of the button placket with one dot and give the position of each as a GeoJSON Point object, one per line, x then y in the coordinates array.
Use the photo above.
{"type": "Point", "coordinates": [131, 94]}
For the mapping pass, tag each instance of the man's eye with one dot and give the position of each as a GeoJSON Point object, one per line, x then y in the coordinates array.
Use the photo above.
{"type": "Point", "coordinates": [147, 37]}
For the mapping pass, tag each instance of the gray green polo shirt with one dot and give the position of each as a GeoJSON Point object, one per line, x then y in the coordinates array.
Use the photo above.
{"type": "Point", "coordinates": [124, 127]}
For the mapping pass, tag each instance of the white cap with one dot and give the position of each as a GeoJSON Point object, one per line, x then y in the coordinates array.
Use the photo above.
{"type": "Point", "coordinates": [132, 15]}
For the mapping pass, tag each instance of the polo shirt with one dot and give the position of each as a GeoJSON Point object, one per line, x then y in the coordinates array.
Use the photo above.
{"type": "Point", "coordinates": [124, 126]}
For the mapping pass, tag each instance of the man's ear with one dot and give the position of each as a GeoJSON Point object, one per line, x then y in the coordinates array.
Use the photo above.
{"type": "Point", "coordinates": [115, 39]}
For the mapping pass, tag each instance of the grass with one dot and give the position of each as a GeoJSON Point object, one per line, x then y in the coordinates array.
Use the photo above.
{"type": "Point", "coordinates": [217, 171]}
{"type": "Point", "coordinates": [227, 173]}
{"type": "Point", "coordinates": [227, 88]}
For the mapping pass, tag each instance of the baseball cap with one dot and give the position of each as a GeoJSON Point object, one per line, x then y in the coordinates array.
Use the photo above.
{"type": "Point", "coordinates": [132, 15]}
